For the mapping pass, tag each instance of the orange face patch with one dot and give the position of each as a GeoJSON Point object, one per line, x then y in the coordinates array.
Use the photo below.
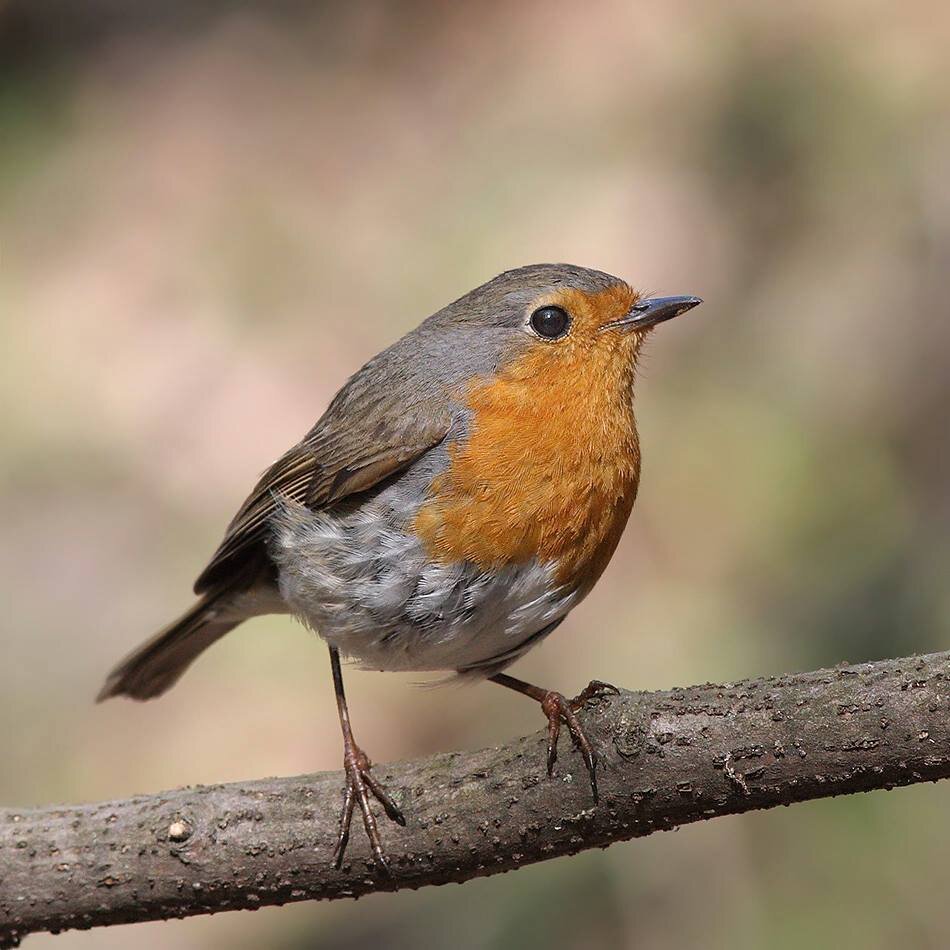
{"type": "Point", "coordinates": [591, 311]}
{"type": "Point", "coordinates": [552, 462]}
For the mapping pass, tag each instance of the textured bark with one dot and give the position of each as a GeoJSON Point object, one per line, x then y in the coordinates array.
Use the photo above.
{"type": "Point", "coordinates": [666, 758]}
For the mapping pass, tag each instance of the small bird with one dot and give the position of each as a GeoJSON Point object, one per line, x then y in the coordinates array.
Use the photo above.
{"type": "Point", "coordinates": [460, 496]}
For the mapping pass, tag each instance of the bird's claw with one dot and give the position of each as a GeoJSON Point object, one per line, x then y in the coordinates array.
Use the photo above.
{"type": "Point", "coordinates": [360, 784]}
{"type": "Point", "coordinates": [595, 689]}
{"type": "Point", "coordinates": [559, 709]}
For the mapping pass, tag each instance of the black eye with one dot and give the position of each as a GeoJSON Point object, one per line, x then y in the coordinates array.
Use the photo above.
{"type": "Point", "coordinates": [550, 322]}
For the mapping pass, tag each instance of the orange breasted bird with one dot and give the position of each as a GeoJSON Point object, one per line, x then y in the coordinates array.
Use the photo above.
{"type": "Point", "coordinates": [460, 496]}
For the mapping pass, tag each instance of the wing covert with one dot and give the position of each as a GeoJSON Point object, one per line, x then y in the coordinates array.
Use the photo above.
{"type": "Point", "coordinates": [344, 454]}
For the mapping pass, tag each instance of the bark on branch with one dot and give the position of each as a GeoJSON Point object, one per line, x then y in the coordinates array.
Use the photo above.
{"type": "Point", "coordinates": [666, 758]}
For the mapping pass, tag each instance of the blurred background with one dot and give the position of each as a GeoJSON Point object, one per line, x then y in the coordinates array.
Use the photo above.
{"type": "Point", "coordinates": [211, 213]}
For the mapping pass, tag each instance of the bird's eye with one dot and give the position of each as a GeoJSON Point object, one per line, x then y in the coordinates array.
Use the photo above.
{"type": "Point", "coordinates": [550, 322]}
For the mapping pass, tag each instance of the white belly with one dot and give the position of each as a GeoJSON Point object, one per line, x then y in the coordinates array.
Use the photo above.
{"type": "Point", "coordinates": [365, 584]}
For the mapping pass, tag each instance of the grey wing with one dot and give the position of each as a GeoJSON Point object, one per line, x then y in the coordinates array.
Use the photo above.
{"type": "Point", "coordinates": [361, 440]}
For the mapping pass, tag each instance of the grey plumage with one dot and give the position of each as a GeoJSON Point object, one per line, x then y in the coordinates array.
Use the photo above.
{"type": "Point", "coordinates": [359, 576]}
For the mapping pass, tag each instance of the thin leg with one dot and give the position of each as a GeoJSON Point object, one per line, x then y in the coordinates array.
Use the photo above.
{"type": "Point", "coordinates": [359, 782]}
{"type": "Point", "coordinates": [559, 709]}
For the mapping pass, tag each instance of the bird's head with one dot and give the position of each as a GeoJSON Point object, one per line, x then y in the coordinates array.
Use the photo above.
{"type": "Point", "coordinates": [559, 321]}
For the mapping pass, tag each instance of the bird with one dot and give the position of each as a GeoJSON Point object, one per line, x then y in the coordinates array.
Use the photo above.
{"type": "Point", "coordinates": [462, 493]}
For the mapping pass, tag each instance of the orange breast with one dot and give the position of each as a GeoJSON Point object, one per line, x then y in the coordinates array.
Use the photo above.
{"type": "Point", "coordinates": [550, 468]}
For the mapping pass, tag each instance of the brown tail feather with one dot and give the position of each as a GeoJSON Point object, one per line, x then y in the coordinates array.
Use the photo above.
{"type": "Point", "coordinates": [158, 663]}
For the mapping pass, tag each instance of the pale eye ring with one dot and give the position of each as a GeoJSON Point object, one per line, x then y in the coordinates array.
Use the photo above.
{"type": "Point", "coordinates": [551, 322]}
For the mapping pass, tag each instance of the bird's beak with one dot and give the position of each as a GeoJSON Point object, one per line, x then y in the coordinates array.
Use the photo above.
{"type": "Point", "coordinates": [648, 313]}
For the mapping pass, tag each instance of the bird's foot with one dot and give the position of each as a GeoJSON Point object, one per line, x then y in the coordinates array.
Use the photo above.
{"type": "Point", "coordinates": [559, 709]}
{"type": "Point", "coordinates": [360, 784]}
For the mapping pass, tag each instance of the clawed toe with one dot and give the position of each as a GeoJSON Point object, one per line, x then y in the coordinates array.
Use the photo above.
{"type": "Point", "coordinates": [558, 709]}
{"type": "Point", "coordinates": [595, 689]}
{"type": "Point", "coordinates": [360, 784]}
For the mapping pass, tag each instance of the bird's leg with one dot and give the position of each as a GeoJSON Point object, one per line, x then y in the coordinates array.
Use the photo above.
{"type": "Point", "coordinates": [359, 782]}
{"type": "Point", "coordinates": [559, 709]}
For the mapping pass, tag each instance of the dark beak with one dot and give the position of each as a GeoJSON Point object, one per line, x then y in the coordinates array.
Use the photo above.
{"type": "Point", "coordinates": [648, 313]}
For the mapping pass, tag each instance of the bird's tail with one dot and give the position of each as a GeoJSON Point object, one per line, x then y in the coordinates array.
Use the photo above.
{"type": "Point", "coordinates": [158, 663]}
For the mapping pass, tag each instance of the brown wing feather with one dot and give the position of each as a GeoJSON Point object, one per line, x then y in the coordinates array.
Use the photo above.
{"type": "Point", "coordinates": [339, 457]}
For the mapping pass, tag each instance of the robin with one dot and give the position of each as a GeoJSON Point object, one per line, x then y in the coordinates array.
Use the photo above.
{"type": "Point", "coordinates": [460, 496]}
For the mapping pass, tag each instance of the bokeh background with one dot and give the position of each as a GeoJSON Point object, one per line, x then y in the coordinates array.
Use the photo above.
{"type": "Point", "coordinates": [211, 213]}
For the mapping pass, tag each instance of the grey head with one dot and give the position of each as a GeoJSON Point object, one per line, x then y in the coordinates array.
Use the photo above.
{"type": "Point", "coordinates": [503, 299]}
{"type": "Point", "coordinates": [476, 334]}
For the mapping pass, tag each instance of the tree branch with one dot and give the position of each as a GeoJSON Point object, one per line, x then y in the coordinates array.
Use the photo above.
{"type": "Point", "coordinates": [666, 758]}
